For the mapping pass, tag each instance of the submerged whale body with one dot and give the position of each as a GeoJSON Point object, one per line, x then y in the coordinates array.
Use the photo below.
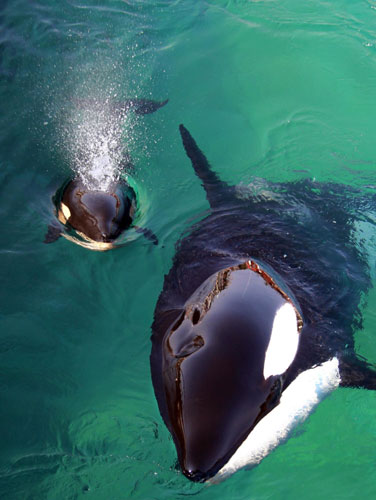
{"type": "Point", "coordinates": [255, 321]}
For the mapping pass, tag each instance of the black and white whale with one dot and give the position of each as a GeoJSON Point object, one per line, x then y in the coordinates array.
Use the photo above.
{"type": "Point", "coordinates": [255, 322]}
{"type": "Point", "coordinates": [94, 217]}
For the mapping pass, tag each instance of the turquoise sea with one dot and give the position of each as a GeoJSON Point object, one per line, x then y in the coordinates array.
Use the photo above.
{"type": "Point", "coordinates": [274, 89]}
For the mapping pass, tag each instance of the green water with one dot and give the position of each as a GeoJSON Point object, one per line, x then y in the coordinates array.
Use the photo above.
{"type": "Point", "coordinates": [280, 90]}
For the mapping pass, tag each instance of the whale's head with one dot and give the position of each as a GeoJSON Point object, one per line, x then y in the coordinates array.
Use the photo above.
{"type": "Point", "coordinates": [96, 216]}
{"type": "Point", "coordinates": [223, 363]}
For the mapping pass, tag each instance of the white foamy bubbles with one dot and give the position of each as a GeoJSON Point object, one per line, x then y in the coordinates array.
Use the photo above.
{"type": "Point", "coordinates": [97, 143]}
{"type": "Point", "coordinates": [94, 141]}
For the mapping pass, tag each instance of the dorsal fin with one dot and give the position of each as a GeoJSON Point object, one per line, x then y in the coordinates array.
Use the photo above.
{"type": "Point", "coordinates": [215, 188]}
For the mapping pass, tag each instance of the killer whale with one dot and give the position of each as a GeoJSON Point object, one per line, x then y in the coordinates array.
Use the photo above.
{"type": "Point", "coordinates": [92, 217]}
{"type": "Point", "coordinates": [261, 302]}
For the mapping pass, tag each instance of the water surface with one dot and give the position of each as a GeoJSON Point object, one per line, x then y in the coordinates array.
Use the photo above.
{"type": "Point", "coordinates": [281, 90]}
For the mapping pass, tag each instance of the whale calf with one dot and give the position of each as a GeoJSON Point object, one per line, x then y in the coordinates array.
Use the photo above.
{"type": "Point", "coordinates": [254, 325]}
{"type": "Point", "coordinates": [93, 217]}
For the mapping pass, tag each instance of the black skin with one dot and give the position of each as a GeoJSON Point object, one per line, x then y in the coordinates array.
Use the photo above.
{"type": "Point", "coordinates": [301, 231]}
{"type": "Point", "coordinates": [213, 365]}
{"type": "Point", "coordinates": [102, 216]}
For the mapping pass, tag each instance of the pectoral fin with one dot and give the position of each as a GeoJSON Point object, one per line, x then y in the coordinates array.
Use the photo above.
{"type": "Point", "coordinates": [356, 372]}
{"type": "Point", "coordinates": [149, 235]}
{"type": "Point", "coordinates": [53, 234]}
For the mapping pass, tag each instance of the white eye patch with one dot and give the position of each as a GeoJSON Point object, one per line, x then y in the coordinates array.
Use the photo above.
{"type": "Point", "coordinates": [283, 342]}
{"type": "Point", "coordinates": [66, 211]}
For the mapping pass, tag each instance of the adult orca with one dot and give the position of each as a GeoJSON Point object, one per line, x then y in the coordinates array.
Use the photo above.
{"type": "Point", "coordinates": [255, 321]}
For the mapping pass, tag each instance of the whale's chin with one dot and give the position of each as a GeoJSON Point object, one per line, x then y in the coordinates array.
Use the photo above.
{"type": "Point", "coordinates": [297, 402]}
{"type": "Point", "coordinates": [98, 246]}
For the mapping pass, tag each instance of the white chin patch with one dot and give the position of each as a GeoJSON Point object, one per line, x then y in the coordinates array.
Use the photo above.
{"type": "Point", "coordinates": [297, 402]}
{"type": "Point", "coordinates": [283, 342]}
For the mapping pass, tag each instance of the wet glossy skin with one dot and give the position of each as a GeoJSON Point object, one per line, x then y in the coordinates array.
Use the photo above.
{"type": "Point", "coordinates": [206, 361]}
{"type": "Point", "coordinates": [213, 362]}
{"type": "Point", "coordinates": [96, 215]}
